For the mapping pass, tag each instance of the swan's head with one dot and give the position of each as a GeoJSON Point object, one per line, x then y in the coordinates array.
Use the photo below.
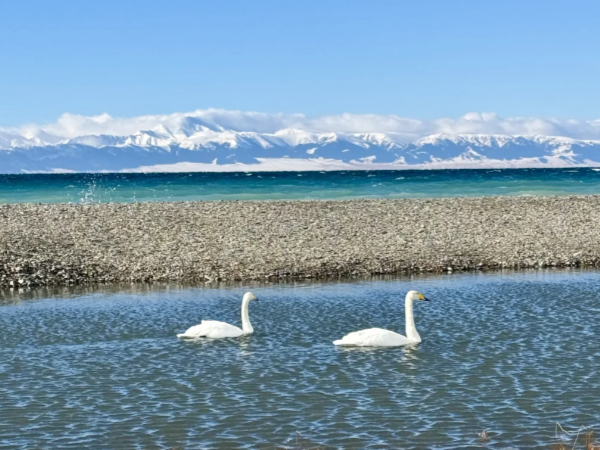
{"type": "Point", "coordinates": [416, 296]}
{"type": "Point", "coordinates": [249, 296]}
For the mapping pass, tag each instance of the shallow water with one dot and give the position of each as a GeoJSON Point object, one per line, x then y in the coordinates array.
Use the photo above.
{"type": "Point", "coordinates": [511, 354]}
{"type": "Point", "coordinates": [90, 188]}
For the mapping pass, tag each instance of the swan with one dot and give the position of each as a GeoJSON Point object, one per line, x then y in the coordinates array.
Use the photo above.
{"type": "Point", "coordinates": [377, 337]}
{"type": "Point", "coordinates": [213, 329]}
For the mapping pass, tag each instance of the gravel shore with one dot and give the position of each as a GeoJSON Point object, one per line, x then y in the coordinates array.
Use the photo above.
{"type": "Point", "coordinates": [64, 244]}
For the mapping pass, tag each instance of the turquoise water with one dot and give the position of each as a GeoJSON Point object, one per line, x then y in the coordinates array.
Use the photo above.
{"type": "Point", "coordinates": [87, 188]}
{"type": "Point", "coordinates": [102, 369]}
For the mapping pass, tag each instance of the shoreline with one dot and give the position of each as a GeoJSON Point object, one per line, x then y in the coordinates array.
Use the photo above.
{"type": "Point", "coordinates": [295, 165]}
{"type": "Point", "coordinates": [247, 168]}
{"type": "Point", "coordinates": [70, 244]}
{"type": "Point", "coordinates": [8, 295]}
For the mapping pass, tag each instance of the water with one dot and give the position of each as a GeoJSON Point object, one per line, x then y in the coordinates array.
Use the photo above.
{"type": "Point", "coordinates": [511, 354]}
{"type": "Point", "coordinates": [88, 188]}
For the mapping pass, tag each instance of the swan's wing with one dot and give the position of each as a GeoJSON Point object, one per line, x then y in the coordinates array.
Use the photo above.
{"type": "Point", "coordinates": [373, 337]}
{"type": "Point", "coordinates": [211, 329]}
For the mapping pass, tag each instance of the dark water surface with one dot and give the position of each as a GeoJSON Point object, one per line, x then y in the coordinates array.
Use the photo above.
{"type": "Point", "coordinates": [511, 354]}
{"type": "Point", "coordinates": [90, 188]}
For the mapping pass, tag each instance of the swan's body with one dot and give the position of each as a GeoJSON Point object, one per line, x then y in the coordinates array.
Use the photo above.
{"type": "Point", "coordinates": [374, 337]}
{"type": "Point", "coordinates": [377, 337]}
{"type": "Point", "coordinates": [213, 329]}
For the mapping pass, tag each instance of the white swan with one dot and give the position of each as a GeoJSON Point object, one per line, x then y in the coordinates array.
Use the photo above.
{"type": "Point", "coordinates": [213, 329]}
{"type": "Point", "coordinates": [377, 337]}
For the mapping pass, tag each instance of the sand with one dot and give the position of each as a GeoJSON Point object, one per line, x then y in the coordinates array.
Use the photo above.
{"type": "Point", "coordinates": [68, 244]}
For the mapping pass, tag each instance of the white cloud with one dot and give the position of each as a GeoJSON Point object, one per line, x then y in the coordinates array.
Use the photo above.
{"type": "Point", "coordinates": [74, 125]}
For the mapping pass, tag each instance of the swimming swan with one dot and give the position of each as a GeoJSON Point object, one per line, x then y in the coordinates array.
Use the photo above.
{"type": "Point", "coordinates": [376, 337]}
{"type": "Point", "coordinates": [212, 329]}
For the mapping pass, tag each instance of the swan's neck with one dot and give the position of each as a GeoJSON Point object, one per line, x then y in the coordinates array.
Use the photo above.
{"type": "Point", "coordinates": [246, 325]}
{"type": "Point", "coordinates": [411, 330]}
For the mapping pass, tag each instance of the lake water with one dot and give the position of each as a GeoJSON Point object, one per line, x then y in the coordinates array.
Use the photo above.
{"type": "Point", "coordinates": [508, 353]}
{"type": "Point", "coordinates": [89, 188]}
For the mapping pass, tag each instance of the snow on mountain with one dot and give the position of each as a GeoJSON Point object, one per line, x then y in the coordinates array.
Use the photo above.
{"type": "Point", "coordinates": [10, 139]}
{"type": "Point", "coordinates": [195, 144]}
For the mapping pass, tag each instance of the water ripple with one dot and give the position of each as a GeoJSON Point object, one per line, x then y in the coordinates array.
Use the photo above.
{"type": "Point", "coordinates": [509, 354]}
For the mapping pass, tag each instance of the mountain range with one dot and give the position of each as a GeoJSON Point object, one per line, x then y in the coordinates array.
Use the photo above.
{"type": "Point", "coordinates": [200, 146]}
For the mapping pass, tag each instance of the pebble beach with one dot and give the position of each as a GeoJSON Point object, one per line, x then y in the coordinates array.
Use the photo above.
{"type": "Point", "coordinates": [69, 244]}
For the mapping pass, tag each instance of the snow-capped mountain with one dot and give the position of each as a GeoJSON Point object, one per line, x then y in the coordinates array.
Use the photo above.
{"type": "Point", "coordinates": [194, 144]}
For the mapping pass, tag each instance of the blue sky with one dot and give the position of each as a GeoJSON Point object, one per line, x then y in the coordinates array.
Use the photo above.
{"type": "Point", "coordinates": [422, 59]}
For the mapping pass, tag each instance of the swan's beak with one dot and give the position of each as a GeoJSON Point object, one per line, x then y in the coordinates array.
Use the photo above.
{"type": "Point", "coordinates": [425, 299]}
{"type": "Point", "coordinates": [255, 299]}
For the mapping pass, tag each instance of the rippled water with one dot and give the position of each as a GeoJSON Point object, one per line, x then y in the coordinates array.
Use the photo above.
{"type": "Point", "coordinates": [511, 354]}
{"type": "Point", "coordinates": [124, 187]}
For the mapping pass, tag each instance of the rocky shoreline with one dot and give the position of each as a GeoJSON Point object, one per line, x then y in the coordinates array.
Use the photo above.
{"type": "Point", "coordinates": [68, 244]}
